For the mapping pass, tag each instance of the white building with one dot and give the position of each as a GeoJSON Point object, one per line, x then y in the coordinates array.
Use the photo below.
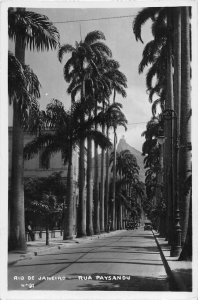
{"type": "Point", "coordinates": [34, 168]}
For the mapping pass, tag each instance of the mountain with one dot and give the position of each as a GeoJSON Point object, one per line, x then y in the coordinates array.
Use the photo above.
{"type": "Point", "coordinates": [122, 145]}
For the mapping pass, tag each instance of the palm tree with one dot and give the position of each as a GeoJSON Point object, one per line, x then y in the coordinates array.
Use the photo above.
{"type": "Point", "coordinates": [102, 94]}
{"type": "Point", "coordinates": [35, 31]}
{"type": "Point", "coordinates": [185, 139]}
{"type": "Point", "coordinates": [96, 90]}
{"type": "Point", "coordinates": [160, 53]}
{"type": "Point", "coordinates": [104, 91]}
{"type": "Point", "coordinates": [114, 118]}
{"type": "Point", "coordinates": [66, 132]}
{"type": "Point", "coordinates": [23, 89]}
{"type": "Point", "coordinates": [177, 109]}
{"type": "Point", "coordinates": [128, 182]}
{"type": "Point", "coordinates": [86, 54]}
{"type": "Point", "coordinates": [118, 84]}
{"type": "Point", "coordinates": [151, 151]}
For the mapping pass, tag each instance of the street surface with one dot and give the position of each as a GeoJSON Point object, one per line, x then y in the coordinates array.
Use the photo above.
{"type": "Point", "coordinates": [126, 261]}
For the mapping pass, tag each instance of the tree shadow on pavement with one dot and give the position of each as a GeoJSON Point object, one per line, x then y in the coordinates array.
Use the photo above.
{"type": "Point", "coordinates": [184, 276]}
{"type": "Point", "coordinates": [145, 248]}
{"type": "Point", "coordinates": [102, 261]}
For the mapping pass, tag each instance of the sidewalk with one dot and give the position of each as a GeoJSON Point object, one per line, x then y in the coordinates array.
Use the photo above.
{"type": "Point", "coordinates": [180, 272]}
{"type": "Point", "coordinates": [36, 247]}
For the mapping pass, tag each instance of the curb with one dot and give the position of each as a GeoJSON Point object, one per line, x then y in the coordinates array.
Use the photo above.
{"type": "Point", "coordinates": [61, 246]}
{"type": "Point", "coordinates": [176, 283]}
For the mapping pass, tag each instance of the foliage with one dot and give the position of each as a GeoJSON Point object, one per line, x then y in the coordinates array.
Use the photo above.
{"type": "Point", "coordinates": [155, 52]}
{"type": "Point", "coordinates": [33, 30]}
{"type": "Point", "coordinates": [128, 187]}
{"type": "Point", "coordinates": [157, 212]}
{"type": "Point", "coordinates": [45, 196]}
{"type": "Point", "coordinates": [64, 128]}
{"type": "Point", "coordinates": [112, 116]}
{"type": "Point", "coordinates": [24, 88]}
{"type": "Point", "coordinates": [126, 164]}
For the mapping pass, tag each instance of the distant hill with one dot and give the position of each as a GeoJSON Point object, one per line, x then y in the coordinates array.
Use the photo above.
{"type": "Point", "coordinates": [122, 145]}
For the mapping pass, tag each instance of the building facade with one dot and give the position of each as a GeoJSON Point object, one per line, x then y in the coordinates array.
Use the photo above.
{"type": "Point", "coordinates": [34, 168]}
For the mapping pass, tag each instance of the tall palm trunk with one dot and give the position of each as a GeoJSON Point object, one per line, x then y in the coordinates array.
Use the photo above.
{"type": "Point", "coordinates": [96, 186]}
{"type": "Point", "coordinates": [120, 211]}
{"type": "Point", "coordinates": [113, 227]}
{"type": "Point", "coordinates": [168, 147]}
{"type": "Point", "coordinates": [185, 140]}
{"type": "Point", "coordinates": [120, 216]}
{"type": "Point", "coordinates": [102, 186]}
{"type": "Point", "coordinates": [177, 108]}
{"type": "Point", "coordinates": [114, 176]}
{"type": "Point", "coordinates": [81, 226]}
{"type": "Point", "coordinates": [68, 215]}
{"type": "Point", "coordinates": [107, 187]}
{"type": "Point", "coordinates": [159, 189]}
{"type": "Point", "coordinates": [89, 188]}
{"type": "Point", "coordinates": [47, 230]}
{"type": "Point", "coordinates": [186, 253]}
{"type": "Point", "coordinates": [17, 239]}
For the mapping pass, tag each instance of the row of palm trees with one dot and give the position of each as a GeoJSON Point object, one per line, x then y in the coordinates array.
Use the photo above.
{"type": "Point", "coordinates": [130, 191]}
{"type": "Point", "coordinates": [33, 31]}
{"type": "Point", "coordinates": [92, 76]}
{"type": "Point", "coordinates": [167, 58]}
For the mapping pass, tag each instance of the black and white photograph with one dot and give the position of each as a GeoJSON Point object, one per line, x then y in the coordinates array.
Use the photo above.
{"type": "Point", "coordinates": [98, 135]}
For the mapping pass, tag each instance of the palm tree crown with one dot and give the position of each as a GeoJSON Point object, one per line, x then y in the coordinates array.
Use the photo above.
{"type": "Point", "coordinates": [32, 30]}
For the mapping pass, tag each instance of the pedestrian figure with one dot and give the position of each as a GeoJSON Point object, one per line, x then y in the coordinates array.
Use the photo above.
{"type": "Point", "coordinates": [109, 225]}
{"type": "Point", "coordinates": [31, 233]}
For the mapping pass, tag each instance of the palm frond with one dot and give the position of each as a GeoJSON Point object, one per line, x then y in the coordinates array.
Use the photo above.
{"type": "Point", "coordinates": [155, 104]}
{"type": "Point", "coordinates": [56, 116]}
{"type": "Point", "coordinates": [120, 78]}
{"type": "Point", "coordinates": [102, 48]}
{"type": "Point", "coordinates": [150, 75]}
{"type": "Point", "coordinates": [33, 30]}
{"type": "Point", "coordinates": [159, 27]}
{"type": "Point", "coordinates": [120, 90]}
{"type": "Point", "coordinates": [85, 51]}
{"type": "Point", "coordinates": [32, 82]}
{"type": "Point", "coordinates": [37, 144]}
{"type": "Point", "coordinates": [143, 16]}
{"type": "Point", "coordinates": [75, 91]}
{"type": "Point", "coordinates": [150, 53]}
{"type": "Point", "coordinates": [16, 78]}
{"type": "Point", "coordinates": [24, 88]}
{"type": "Point", "coordinates": [64, 49]}
{"type": "Point", "coordinates": [93, 36]}
{"type": "Point", "coordinates": [99, 138]}
{"type": "Point", "coordinates": [68, 70]}
{"type": "Point", "coordinates": [53, 148]}
{"type": "Point", "coordinates": [155, 90]}
{"type": "Point", "coordinates": [111, 64]}
{"type": "Point", "coordinates": [75, 81]}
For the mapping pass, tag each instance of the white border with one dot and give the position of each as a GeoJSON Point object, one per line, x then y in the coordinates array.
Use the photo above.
{"type": "Point", "coordinates": [4, 294]}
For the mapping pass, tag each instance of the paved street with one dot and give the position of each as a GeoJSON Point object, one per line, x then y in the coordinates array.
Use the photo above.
{"type": "Point", "coordinates": [127, 260]}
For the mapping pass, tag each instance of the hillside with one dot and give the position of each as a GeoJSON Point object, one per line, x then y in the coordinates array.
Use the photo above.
{"type": "Point", "coordinates": [122, 145]}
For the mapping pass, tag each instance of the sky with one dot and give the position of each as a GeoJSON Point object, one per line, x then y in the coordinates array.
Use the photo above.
{"type": "Point", "coordinates": [126, 50]}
